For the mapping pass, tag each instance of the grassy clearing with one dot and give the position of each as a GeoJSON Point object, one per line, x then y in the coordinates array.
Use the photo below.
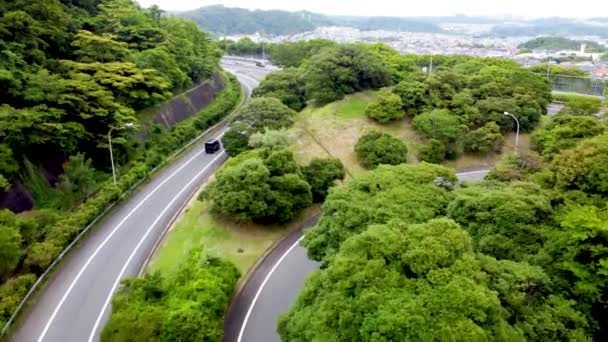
{"type": "Point", "coordinates": [338, 126]}
{"type": "Point", "coordinates": [241, 243]}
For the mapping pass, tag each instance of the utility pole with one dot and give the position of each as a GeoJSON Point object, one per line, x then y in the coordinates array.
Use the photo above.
{"type": "Point", "coordinates": [130, 124]}
{"type": "Point", "coordinates": [431, 65]}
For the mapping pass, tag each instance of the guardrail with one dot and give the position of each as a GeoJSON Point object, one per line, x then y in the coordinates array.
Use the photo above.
{"type": "Point", "coordinates": [42, 278]}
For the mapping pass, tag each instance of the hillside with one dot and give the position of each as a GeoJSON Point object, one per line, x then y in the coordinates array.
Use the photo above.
{"type": "Point", "coordinates": [228, 20]}
{"type": "Point", "coordinates": [560, 43]}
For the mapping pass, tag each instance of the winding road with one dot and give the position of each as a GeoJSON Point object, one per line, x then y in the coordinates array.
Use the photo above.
{"type": "Point", "coordinates": [275, 284]}
{"type": "Point", "coordinates": [75, 303]}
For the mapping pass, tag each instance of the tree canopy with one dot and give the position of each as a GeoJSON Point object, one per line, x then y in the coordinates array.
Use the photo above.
{"type": "Point", "coordinates": [262, 185]}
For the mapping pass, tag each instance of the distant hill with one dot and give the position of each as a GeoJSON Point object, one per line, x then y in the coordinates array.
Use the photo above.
{"type": "Point", "coordinates": [560, 43]}
{"type": "Point", "coordinates": [228, 20]}
{"type": "Point", "coordinates": [549, 26]}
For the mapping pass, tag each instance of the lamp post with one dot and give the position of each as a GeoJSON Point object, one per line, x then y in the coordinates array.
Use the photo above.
{"type": "Point", "coordinates": [127, 125]}
{"type": "Point", "coordinates": [517, 134]}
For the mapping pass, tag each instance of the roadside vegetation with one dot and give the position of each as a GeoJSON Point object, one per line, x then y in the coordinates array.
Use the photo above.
{"type": "Point", "coordinates": [73, 72]}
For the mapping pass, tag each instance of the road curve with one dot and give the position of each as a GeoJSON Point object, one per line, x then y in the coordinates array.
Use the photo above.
{"type": "Point", "coordinates": [75, 303]}
{"type": "Point", "coordinates": [275, 284]}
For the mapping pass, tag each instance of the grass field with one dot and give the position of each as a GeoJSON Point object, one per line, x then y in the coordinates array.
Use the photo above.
{"type": "Point", "coordinates": [241, 243]}
{"type": "Point", "coordinates": [336, 127]}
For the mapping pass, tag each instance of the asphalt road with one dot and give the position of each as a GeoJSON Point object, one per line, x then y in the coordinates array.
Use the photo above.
{"type": "Point", "coordinates": [76, 302]}
{"type": "Point", "coordinates": [276, 283]}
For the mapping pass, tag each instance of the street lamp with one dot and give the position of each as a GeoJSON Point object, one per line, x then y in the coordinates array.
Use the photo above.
{"type": "Point", "coordinates": [517, 134]}
{"type": "Point", "coordinates": [127, 125]}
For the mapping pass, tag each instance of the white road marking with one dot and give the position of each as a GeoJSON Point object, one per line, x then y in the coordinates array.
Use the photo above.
{"type": "Point", "coordinates": [471, 172]}
{"type": "Point", "coordinates": [120, 224]}
{"type": "Point", "coordinates": [141, 241]}
{"type": "Point", "coordinates": [257, 295]}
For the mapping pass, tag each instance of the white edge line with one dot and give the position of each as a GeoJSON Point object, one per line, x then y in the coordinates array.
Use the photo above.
{"type": "Point", "coordinates": [66, 294]}
{"type": "Point", "coordinates": [257, 295]}
{"type": "Point", "coordinates": [141, 241]}
{"type": "Point", "coordinates": [471, 172]}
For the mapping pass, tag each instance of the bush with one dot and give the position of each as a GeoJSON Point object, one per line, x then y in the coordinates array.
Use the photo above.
{"type": "Point", "coordinates": [515, 167]}
{"type": "Point", "coordinates": [433, 152]}
{"type": "Point", "coordinates": [12, 293]}
{"type": "Point", "coordinates": [269, 138]}
{"type": "Point", "coordinates": [579, 104]}
{"type": "Point", "coordinates": [386, 107]}
{"type": "Point", "coordinates": [484, 140]}
{"type": "Point", "coordinates": [236, 139]}
{"type": "Point", "coordinates": [375, 148]}
{"type": "Point", "coordinates": [322, 174]}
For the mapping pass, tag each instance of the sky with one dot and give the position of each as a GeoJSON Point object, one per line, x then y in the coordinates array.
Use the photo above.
{"type": "Point", "coordinates": [405, 8]}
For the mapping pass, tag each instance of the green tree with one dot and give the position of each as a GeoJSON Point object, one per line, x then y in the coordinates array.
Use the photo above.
{"type": "Point", "coordinates": [385, 107]}
{"type": "Point", "coordinates": [412, 94]}
{"type": "Point", "coordinates": [563, 132]}
{"type": "Point", "coordinates": [443, 126]}
{"type": "Point", "coordinates": [400, 281]}
{"type": "Point", "coordinates": [322, 174]}
{"type": "Point", "coordinates": [90, 47]}
{"type": "Point", "coordinates": [262, 186]}
{"type": "Point", "coordinates": [506, 222]}
{"type": "Point", "coordinates": [293, 54]}
{"type": "Point", "coordinates": [262, 112]}
{"type": "Point", "coordinates": [284, 85]}
{"type": "Point", "coordinates": [375, 148]}
{"type": "Point", "coordinates": [576, 255]}
{"type": "Point", "coordinates": [236, 139]}
{"type": "Point", "coordinates": [345, 69]}
{"type": "Point", "coordinates": [484, 140]}
{"type": "Point", "coordinates": [78, 181]}
{"type": "Point", "coordinates": [10, 252]}
{"type": "Point", "coordinates": [582, 167]}
{"type": "Point", "coordinates": [405, 192]}
{"type": "Point", "coordinates": [432, 152]}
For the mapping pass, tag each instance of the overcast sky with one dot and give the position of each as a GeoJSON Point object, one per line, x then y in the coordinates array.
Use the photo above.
{"type": "Point", "coordinates": [403, 8]}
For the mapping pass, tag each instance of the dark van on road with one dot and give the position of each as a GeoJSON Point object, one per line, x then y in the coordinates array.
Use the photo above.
{"type": "Point", "coordinates": [212, 146]}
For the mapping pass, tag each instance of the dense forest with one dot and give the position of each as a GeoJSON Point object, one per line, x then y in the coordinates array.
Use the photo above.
{"type": "Point", "coordinates": [560, 43]}
{"type": "Point", "coordinates": [520, 256]}
{"type": "Point", "coordinates": [227, 21]}
{"type": "Point", "coordinates": [72, 71]}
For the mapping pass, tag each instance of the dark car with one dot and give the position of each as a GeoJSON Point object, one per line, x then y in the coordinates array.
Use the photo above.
{"type": "Point", "coordinates": [259, 64]}
{"type": "Point", "coordinates": [212, 146]}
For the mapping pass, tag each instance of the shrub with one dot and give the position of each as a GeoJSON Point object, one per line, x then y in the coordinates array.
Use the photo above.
{"type": "Point", "coordinates": [484, 140]}
{"type": "Point", "coordinates": [269, 138]}
{"type": "Point", "coordinates": [579, 104]}
{"type": "Point", "coordinates": [386, 107]}
{"type": "Point", "coordinates": [443, 126]}
{"type": "Point", "coordinates": [433, 152]}
{"type": "Point", "coordinates": [375, 148]}
{"type": "Point", "coordinates": [322, 174]}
